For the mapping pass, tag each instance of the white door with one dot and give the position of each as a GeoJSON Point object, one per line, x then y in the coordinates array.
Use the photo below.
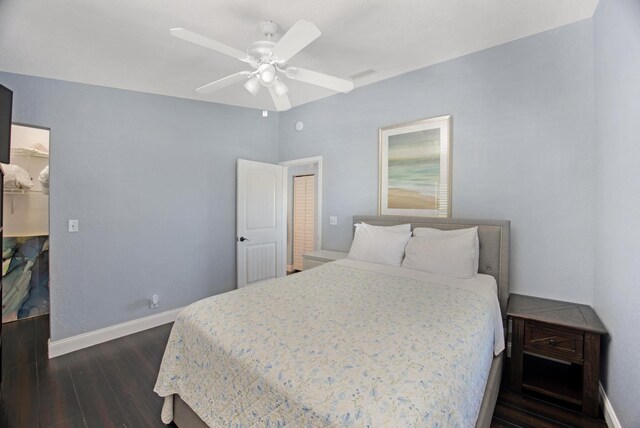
{"type": "Point", "coordinates": [261, 228]}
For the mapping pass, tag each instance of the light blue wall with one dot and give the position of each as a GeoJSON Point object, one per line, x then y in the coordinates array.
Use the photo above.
{"type": "Point", "coordinates": [523, 150]}
{"type": "Point", "coordinates": [617, 285]}
{"type": "Point", "coordinates": [152, 181]}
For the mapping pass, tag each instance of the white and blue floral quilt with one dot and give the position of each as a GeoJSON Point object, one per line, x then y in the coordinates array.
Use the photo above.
{"type": "Point", "coordinates": [344, 344]}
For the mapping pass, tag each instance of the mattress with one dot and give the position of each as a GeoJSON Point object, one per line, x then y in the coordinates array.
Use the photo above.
{"type": "Point", "coordinates": [346, 343]}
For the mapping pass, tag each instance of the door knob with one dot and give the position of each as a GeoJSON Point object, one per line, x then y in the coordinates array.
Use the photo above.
{"type": "Point", "coordinates": [242, 239]}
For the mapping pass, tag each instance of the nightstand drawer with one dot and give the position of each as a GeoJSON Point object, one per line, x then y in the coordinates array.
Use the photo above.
{"type": "Point", "coordinates": [309, 263]}
{"type": "Point", "coordinates": [553, 342]}
{"type": "Point", "coordinates": [320, 257]}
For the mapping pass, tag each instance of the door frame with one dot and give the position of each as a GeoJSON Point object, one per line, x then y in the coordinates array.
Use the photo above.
{"type": "Point", "coordinates": [306, 161]}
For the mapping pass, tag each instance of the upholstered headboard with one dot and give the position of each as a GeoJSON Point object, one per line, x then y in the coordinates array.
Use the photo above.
{"type": "Point", "coordinates": [494, 243]}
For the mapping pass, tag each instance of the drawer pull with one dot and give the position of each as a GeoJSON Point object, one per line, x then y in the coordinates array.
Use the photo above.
{"type": "Point", "coordinates": [546, 340]}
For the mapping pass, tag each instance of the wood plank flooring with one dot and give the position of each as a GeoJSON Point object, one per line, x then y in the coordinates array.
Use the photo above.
{"type": "Point", "coordinates": [108, 385]}
{"type": "Point", "coordinates": [111, 385]}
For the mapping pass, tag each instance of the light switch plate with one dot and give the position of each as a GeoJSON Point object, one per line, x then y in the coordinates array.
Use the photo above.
{"type": "Point", "coordinates": [73, 225]}
{"type": "Point", "coordinates": [333, 220]}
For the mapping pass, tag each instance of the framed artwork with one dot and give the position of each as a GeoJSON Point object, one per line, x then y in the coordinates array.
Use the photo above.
{"type": "Point", "coordinates": [415, 168]}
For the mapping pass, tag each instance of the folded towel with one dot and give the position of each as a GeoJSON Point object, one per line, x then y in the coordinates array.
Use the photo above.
{"type": "Point", "coordinates": [16, 177]}
{"type": "Point", "coordinates": [44, 180]}
{"type": "Point", "coordinates": [35, 149]}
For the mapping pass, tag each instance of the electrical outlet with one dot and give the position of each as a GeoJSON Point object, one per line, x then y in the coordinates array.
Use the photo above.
{"type": "Point", "coordinates": [153, 302]}
{"type": "Point", "coordinates": [333, 220]}
{"type": "Point", "coordinates": [73, 225]}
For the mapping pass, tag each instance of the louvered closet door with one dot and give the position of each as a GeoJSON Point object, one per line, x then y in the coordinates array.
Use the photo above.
{"type": "Point", "coordinates": [304, 217]}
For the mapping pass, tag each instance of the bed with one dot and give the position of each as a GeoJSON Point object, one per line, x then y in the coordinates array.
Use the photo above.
{"type": "Point", "coordinates": [342, 344]}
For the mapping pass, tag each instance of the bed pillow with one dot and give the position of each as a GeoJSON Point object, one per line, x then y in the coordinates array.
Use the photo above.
{"type": "Point", "coordinates": [451, 254]}
{"type": "Point", "coordinates": [401, 228]}
{"type": "Point", "coordinates": [380, 244]}
{"type": "Point", "coordinates": [471, 233]}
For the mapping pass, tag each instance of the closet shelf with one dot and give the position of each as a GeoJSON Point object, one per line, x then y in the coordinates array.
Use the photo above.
{"type": "Point", "coordinates": [22, 192]}
{"type": "Point", "coordinates": [28, 154]}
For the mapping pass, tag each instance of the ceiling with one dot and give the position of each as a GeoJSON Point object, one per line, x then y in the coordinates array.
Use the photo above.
{"type": "Point", "coordinates": [126, 43]}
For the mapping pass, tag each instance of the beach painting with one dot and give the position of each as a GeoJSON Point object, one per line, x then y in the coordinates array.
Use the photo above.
{"type": "Point", "coordinates": [415, 168]}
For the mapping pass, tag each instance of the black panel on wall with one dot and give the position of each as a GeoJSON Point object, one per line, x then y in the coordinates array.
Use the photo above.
{"type": "Point", "coordinates": [6, 103]}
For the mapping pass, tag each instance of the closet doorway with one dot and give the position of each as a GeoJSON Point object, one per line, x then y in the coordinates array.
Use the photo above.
{"type": "Point", "coordinates": [304, 209]}
{"type": "Point", "coordinates": [25, 219]}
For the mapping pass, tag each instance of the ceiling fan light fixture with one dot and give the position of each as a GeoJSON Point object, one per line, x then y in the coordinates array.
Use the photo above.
{"type": "Point", "coordinates": [268, 59]}
{"type": "Point", "coordinates": [267, 73]}
{"type": "Point", "coordinates": [280, 88]}
{"type": "Point", "coordinates": [252, 85]}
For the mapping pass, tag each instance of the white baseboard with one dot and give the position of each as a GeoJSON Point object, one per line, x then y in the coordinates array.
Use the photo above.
{"type": "Point", "coordinates": [609, 415]}
{"type": "Point", "coordinates": [85, 340]}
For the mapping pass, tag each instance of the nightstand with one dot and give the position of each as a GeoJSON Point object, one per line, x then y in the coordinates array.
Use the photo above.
{"type": "Point", "coordinates": [555, 350]}
{"type": "Point", "coordinates": [317, 258]}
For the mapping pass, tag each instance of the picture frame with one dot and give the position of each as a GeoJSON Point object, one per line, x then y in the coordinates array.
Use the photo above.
{"type": "Point", "coordinates": [415, 168]}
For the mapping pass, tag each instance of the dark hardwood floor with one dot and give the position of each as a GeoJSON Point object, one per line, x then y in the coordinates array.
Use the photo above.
{"type": "Point", "coordinates": [111, 385]}
{"type": "Point", "coordinates": [108, 385]}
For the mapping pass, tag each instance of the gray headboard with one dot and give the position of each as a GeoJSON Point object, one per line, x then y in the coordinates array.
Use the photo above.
{"type": "Point", "coordinates": [494, 243]}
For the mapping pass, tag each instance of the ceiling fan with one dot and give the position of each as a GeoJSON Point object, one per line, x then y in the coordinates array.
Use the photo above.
{"type": "Point", "coordinates": [269, 62]}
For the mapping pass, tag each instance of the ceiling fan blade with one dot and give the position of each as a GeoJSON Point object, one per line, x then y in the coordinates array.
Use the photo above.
{"type": "Point", "coordinates": [320, 79]}
{"type": "Point", "coordinates": [281, 101]}
{"type": "Point", "coordinates": [206, 42]}
{"type": "Point", "coordinates": [300, 35]}
{"type": "Point", "coordinates": [224, 82]}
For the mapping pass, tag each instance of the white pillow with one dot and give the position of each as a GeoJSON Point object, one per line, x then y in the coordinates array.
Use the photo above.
{"type": "Point", "coordinates": [452, 254]}
{"type": "Point", "coordinates": [379, 244]}
{"type": "Point", "coordinates": [401, 228]}
{"type": "Point", "coordinates": [471, 233]}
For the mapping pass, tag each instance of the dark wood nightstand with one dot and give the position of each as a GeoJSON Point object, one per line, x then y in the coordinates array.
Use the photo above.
{"type": "Point", "coordinates": [555, 350]}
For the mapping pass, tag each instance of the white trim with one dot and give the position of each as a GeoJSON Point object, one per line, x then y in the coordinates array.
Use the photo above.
{"type": "Point", "coordinates": [609, 415]}
{"type": "Point", "coordinates": [306, 161]}
{"type": "Point", "coordinates": [85, 340]}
